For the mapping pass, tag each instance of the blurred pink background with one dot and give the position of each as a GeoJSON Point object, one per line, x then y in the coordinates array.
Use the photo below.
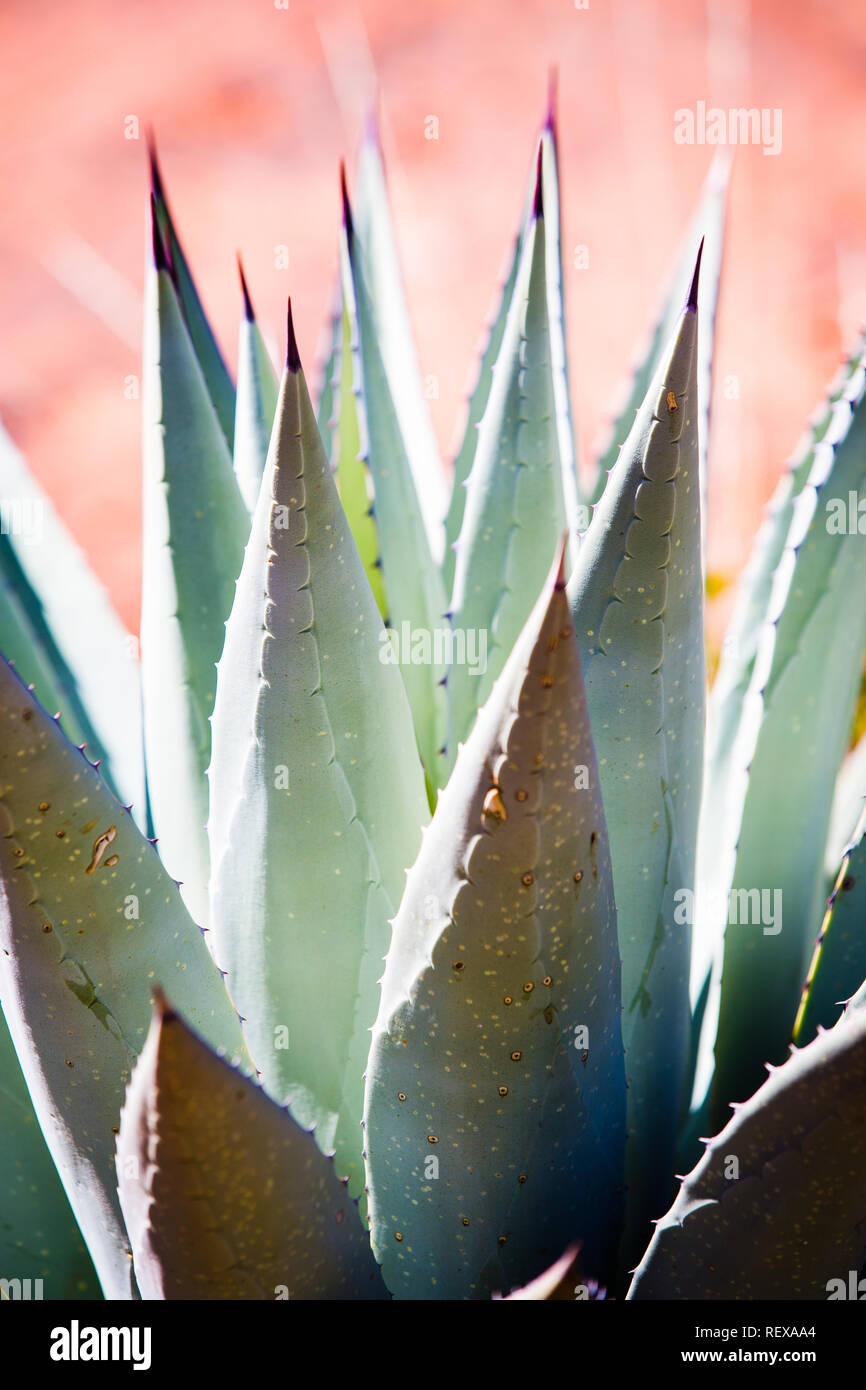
{"type": "Point", "coordinates": [254, 105]}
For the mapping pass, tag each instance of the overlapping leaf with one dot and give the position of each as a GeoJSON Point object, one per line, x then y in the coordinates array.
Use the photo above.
{"type": "Point", "coordinates": [210, 360]}
{"type": "Point", "coordinates": [317, 793]}
{"type": "Point", "coordinates": [89, 919]}
{"type": "Point", "coordinates": [515, 496]}
{"type": "Point", "coordinates": [381, 269]}
{"type": "Point", "coordinates": [479, 397]}
{"type": "Point", "coordinates": [726, 704]}
{"type": "Point", "coordinates": [39, 1238]}
{"type": "Point", "coordinates": [797, 714]}
{"type": "Point", "coordinates": [774, 1209]}
{"type": "Point", "coordinates": [414, 597]}
{"type": "Point", "coordinates": [195, 528]}
{"type": "Point", "coordinates": [224, 1196]}
{"type": "Point", "coordinates": [495, 1106]}
{"type": "Point", "coordinates": [636, 596]}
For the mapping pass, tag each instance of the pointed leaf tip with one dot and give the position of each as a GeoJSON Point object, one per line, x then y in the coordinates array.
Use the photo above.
{"type": "Point", "coordinates": [156, 183]}
{"type": "Point", "coordinates": [347, 207]}
{"type": "Point", "coordinates": [293, 357]}
{"type": "Point", "coordinates": [692, 302]}
{"type": "Point", "coordinates": [248, 304]}
{"type": "Point", "coordinates": [538, 205]}
{"type": "Point", "coordinates": [160, 250]}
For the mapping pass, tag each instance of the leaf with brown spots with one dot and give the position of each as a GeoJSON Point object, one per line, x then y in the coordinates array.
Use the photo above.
{"type": "Point", "coordinates": [530, 1140]}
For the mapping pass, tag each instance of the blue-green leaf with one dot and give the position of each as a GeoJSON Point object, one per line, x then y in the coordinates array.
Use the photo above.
{"type": "Point", "coordinates": [726, 705]}
{"type": "Point", "coordinates": [381, 269]}
{"type": "Point", "coordinates": [479, 397]}
{"type": "Point", "coordinates": [774, 1209]}
{"type": "Point", "coordinates": [515, 498]}
{"type": "Point", "coordinates": [797, 714]}
{"type": "Point", "coordinates": [317, 793]}
{"type": "Point", "coordinates": [495, 1106]}
{"type": "Point", "coordinates": [636, 596]}
{"type": "Point", "coordinates": [39, 1238]}
{"type": "Point", "coordinates": [210, 360]}
{"type": "Point", "coordinates": [89, 921]}
{"type": "Point", "coordinates": [195, 528]}
{"type": "Point", "coordinates": [414, 596]}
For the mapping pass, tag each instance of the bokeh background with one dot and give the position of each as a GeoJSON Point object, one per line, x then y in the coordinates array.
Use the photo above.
{"type": "Point", "coordinates": [254, 103]}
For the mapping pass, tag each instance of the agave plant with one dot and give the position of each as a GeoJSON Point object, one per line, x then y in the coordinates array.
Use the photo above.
{"type": "Point", "coordinates": [397, 927]}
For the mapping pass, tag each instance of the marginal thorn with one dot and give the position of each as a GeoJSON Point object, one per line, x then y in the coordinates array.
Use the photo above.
{"type": "Point", "coordinates": [692, 301]}
{"type": "Point", "coordinates": [293, 359]}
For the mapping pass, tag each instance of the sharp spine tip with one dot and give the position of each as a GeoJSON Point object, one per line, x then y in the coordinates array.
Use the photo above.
{"type": "Point", "coordinates": [347, 207]}
{"type": "Point", "coordinates": [248, 304]}
{"type": "Point", "coordinates": [538, 203]}
{"type": "Point", "coordinates": [160, 250]}
{"type": "Point", "coordinates": [293, 359]}
{"type": "Point", "coordinates": [156, 183]}
{"type": "Point", "coordinates": [692, 301]}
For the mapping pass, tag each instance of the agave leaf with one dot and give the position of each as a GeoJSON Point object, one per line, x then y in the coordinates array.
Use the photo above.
{"type": "Point", "coordinates": [223, 1195]}
{"type": "Point", "coordinates": [337, 415]}
{"type": "Point", "coordinates": [708, 229]}
{"type": "Point", "coordinates": [515, 500]}
{"type": "Point", "coordinates": [774, 1209]}
{"type": "Point", "coordinates": [475, 408]}
{"type": "Point", "coordinates": [387, 300]}
{"type": "Point", "coordinates": [353, 479]}
{"type": "Point", "coordinates": [495, 1106]}
{"type": "Point", "coordinates": [38, 1235]}
{"type": "Point", "coordinates": [317, 794]}
{"type": "Point", "coordinates": [726, 703]}
{"type": "Point", "coordinates": [838, 964]}
{"type": "Point", "coordinates": [480, 395]}
{"type": "Point", "coordinates": [58, 626]}
{"type": "Point", "coordinates": [195, 527]}
{"type": "Point", "coordinates": [414, 597]}
{"type": "Point", "coordinates": [256, 403]}
{"type": "Point", "coordinates": [210, 360]}
{"type": "Point", "coordinates": [637, 604]}
{"type": "Point", "coordinates": [88, 920]}
{"type": "Point", "coordinates": [794, 730]}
